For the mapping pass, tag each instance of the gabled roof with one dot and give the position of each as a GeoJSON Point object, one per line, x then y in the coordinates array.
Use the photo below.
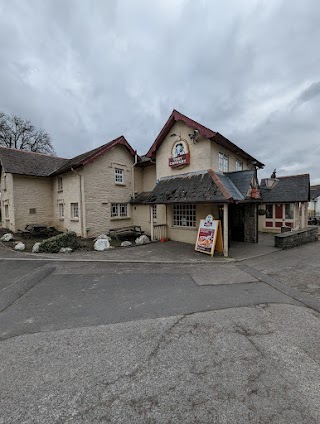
{"type": "Point", "coordinates": [29, 163]}
{"type": "Point", "coordinates": [242, 180]}
{"type": "Point", "coordinates": [90, 156]}
{"type": "Point", "coordinates": [41, 165]}
{"type": "Point", "coordinates": [294, 188]}
{"type": "Point", "coordinates": [194, 187]}
{"type": "Point", "coordinates": [204, 131]}
{"type": "Point", "coordinates": [314, 191]}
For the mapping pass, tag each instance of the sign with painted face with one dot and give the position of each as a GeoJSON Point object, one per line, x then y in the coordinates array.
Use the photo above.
{"type": "Point", "coordinates": [180, 154]}
{"type": "Point", "coordinates": [209, 236]}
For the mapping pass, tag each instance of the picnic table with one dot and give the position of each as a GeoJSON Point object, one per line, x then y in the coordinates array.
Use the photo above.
{"type": "Point", "coordinates": [36, 230]}
{"type": "Point", "coordinates": [130, 231]}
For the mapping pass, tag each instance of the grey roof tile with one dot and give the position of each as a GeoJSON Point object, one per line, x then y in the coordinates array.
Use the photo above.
{"type": "Point", "coordinates": [242, 180]}
{"type": "Point", "coordinates": [295, 188]}
{"type": "Point", "coordinates": [29, 163]}
{"type": "Point", "coordinates": [195, 187]}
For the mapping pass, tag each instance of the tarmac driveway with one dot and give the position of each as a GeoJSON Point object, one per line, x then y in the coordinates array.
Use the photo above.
{"type": "Point", "coordinates": [77, 295]}
{"type": "Point", "coordinates": [235, 366]}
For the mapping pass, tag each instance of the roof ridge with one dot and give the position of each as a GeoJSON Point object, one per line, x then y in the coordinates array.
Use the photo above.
{"type": "Point", "coordinates": [29, 151]}
{"type": "Point", "coordinates": [288, 176]}
{"type": "Point", "coordinates": [220, 184]}
{"type": "Point", "coordinates": [196, 122]}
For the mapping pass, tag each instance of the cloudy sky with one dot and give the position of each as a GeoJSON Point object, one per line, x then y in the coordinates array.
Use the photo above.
{"type": "Point", "coordinates": [88, 71]}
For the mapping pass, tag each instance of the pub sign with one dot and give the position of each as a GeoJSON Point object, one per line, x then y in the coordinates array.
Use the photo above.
{"type": "Point", "coordinates": [180, 154]}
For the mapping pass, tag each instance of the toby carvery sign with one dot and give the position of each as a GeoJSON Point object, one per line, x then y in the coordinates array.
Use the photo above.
{"type": "Point", "coordinates": [180, 155]}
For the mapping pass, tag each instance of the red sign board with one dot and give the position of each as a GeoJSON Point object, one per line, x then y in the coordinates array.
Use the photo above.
{"type": "Point", "coordinates": [179, 160]}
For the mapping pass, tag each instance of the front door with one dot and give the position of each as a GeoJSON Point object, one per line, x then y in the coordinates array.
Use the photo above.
{"type": "Point", "coordinates": [236, 222]}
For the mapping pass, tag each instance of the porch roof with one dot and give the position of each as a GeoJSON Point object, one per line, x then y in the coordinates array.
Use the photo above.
{"type": "Point", "coordinates": [290, 189]}
{"type": "Point", "coordinates": [195, 187]}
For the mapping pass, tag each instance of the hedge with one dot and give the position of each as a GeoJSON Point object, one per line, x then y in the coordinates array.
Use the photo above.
{"type": "Point", "coordinates": [54, 244]}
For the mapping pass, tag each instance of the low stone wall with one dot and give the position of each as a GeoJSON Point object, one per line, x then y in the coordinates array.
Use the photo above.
{"type": "Point", "coordinates": [296, 238]}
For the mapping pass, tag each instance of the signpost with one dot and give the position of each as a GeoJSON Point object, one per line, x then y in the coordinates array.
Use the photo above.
{"type": "Point", "coordinates": [209, 236]}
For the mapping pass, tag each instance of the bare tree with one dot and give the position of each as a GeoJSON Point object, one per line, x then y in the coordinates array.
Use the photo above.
{"type": "Point", "coordinates": [18, 133]}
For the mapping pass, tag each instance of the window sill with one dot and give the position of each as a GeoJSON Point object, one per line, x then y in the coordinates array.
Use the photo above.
{"type": "Point", "coordinates": [177, 227]}
{"type": "Point", "coordinates": [74, 219]}
{"type": "Point", "coordinates": [60, 191]}
{"type": "Point", "coordinates": [61, 219]}
{"type": "Point", "coordinates": [120, 184]}
{"type": "Point", "coordinates": [116, 218]}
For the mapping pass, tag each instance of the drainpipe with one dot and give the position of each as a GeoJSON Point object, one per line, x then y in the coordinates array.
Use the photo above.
{"type": "Point", "coordinates": [132, 173]}
{"type": "Point", "coordinates": [81, 201]}
{"type": "Point", "coordinates": [225, 230]}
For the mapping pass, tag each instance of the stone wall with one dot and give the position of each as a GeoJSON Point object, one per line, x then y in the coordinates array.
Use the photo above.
{"type": "Point", "coordinates": [296, 238]}
{"type": "Point", "coordinates": [251, 223]}
{"type": "Point", "coordinates": [32, 201]}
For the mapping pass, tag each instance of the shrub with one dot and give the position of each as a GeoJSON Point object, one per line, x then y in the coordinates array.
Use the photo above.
{"type": "Point", "coordinates": [54, 244]}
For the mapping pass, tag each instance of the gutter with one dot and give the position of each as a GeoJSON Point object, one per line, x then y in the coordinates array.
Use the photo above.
{"type": "Point", "coordinates": [132, 174]}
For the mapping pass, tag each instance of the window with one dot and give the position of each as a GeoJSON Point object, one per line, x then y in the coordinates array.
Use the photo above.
{"type": "Point", "coordinates": [288, 210]}
{"type": "Point", "coordinates": [74, 210]}
{"type": "Point", "coordinates": [32, 211]}
{"type": "Point", "coordinates": [269, 211]}
{"type": "Point", "coordinates": [60, 184]}
{"type": "Point", "coordinates": [223, 162]}
{"type": "Point", "coordinates": [239, 165]}
{"type": "Point", "coordinates": [61, 210]}
{"type": "Point", "coordinates": [6, 211]}
{"type": "Point", "coordinates": [154, 212]}
{"type": "Point", "coordinates": [184, 215]}
{"type": "Point", "coordinates": [119, 210]}
{"type": "Point", "coordinates": [119, 175]}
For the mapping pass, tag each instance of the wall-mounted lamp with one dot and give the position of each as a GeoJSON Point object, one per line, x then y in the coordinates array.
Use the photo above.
{"type": "Point", "coordinates": [271, 182]}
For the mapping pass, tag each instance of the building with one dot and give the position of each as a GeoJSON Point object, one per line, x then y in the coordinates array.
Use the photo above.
{"type": "Point", "coordinates": [189, 172]}
{"type": "Point", "coordinates": [87, 194]}
{"type": "Point", "coordinates": [285, 203]}
{"type": "Point", "coordinates": [314, 204]}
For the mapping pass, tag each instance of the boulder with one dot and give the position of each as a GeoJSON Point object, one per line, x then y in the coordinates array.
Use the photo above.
{"type": "Point", "coordinates": [65, 250]}
{"type": "Point", "coordinates": [35, 247]}
{"type": "Point", "coordinates": [126, 243]}
{"type": "Point", "coordinates": [142, 239]}
{"type": "Point", "coordinates": [7, 237]}
{"type": "Point", "coordinates": [103, 237]}
{"type": "Point", "coordinates": [19, 246]}
{"type": "Point", "coordinates": [101, 244]}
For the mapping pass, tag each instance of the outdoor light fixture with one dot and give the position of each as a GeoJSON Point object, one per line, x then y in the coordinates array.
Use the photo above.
{"type": "Point", "coordinates": [193, 136]}
{"type": "Point", "coordinates": [271, 182]}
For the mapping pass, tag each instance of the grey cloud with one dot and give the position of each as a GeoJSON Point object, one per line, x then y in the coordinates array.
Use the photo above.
{"type": "Point", "coordinates": [90, 71]}
{"type": "Point", "coordinates": [309, 93]}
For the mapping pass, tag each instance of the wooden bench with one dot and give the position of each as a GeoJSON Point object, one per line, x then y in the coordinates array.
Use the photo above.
{"type": "Point", "coordinates": [131, 231]}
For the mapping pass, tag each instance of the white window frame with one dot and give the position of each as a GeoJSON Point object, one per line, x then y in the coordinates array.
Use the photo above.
{"type": "Point", "coordinates": [119, 176]}
{"type": "Point", "coordinates": [61, 210]}
{"type": "Point", "coordinates": [223, 162]}
{"type": "Point", "coordinates": [154, 211]}
{"type": "Point", "coordinates": [119, 210]}
{"type": "Point", "coordinates": [272, 219]}
{"type": "Point", "coordinates": [75, 213]}
{"type": "Point", "coordinates": [60, 184]}
{"type": "Point", "coordinates": [184, 215]}
{"type": "Point", "coordinates": [239, 165]}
